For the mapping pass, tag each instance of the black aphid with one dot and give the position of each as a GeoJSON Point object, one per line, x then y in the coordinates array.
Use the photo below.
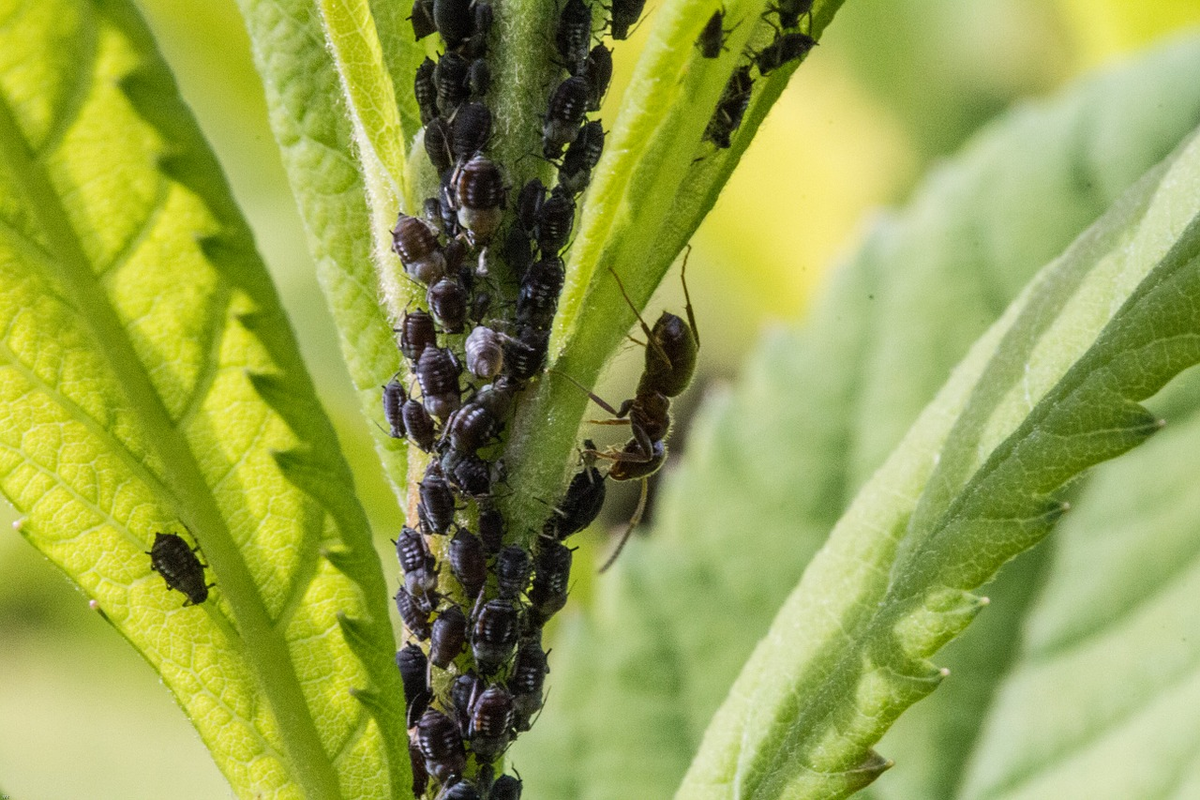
{"type": "Point", "coordinates": [555, 221]}
{"type": "Point", "coordinates": [551, 581]}
{"type": "Point", "coordinates": [526, 681]}
{"type": "Point", "coordinates": [448, 301]}
{"type": "Point", "coordinates": [491, 725]}
{"type": "Point", "coordinates": [731, 107]}
{"type": "Point", "coordinates": [538, 297]}
{"type": "Point", "coordinates": [712, 38]}
{"type": "Point", "coordinates": [418, 564]}
{"type": "Point", "coordinates": [479, 78]}
{"type": "Point", "coordinates": [469, 473]}
{"type": "Point", "coordinates": [462, 790]}
{"type": "Point", "coordinates": [454, 19]}
{"type": "Point", "coordinates": [564, 114]}
{"type": "Point", "coordinates": [448, 637]}
{"type": "Point", "coordinates": [480, 191]}
{"type": "Point", "coordinates": [394, 398]}
{"type": "Point", "coordinates": [506, 787]}
{"type": "Point", "coordinates": [464, 688]}
{"type": "Point", "coordinates": [494, 634]}
{"type": "Point", "coordinates": [437, 500]}
{"type": "Point", "coordinates": [573, 34]}
{"type": "Point", "coordinates": [417, 332]}
{"type": "Point", "coordinates": [491, 530]}
{"type": "Point", "coordinates": [442, 746]}
{"type": "Point", "coordinates": [437, 372]}
{"type": "Point", "coordinates": [417, 245]}
{"type": "Point", "coordinates": [171, 557]}
{"type": "Point", "coordinates": [525, 355]}
{"type": "Point", "coordinates": [471, 427]}
{"type": "Point", "coordinates": [422, 19]}
{"type": "Point", "coordinates": [582, 156]}
{"type": "Point", "coordinates": [416, 618]}
{"type": "Point", "coordinates": [468, 562]}
{"type": "Point", "coordinates": [424, 89]}
{"type": "Point", "coordinates": [513, 568]}
{"type": "Point", "coordinates": [529, 205]}
{"type": "Point", "coordinates": [439, 144]}
{"type": "Point", "coordinates": [450, 78]}
{"type": "Point", "coordinates": [597, 70]}
{"type": "Point", "coordinates": [625, 14]}
{"type": "Point", "coordinates": [787, 47]}
{"type": "Point", "coordinates": [418, 424]}
{"type": "Point", "coordinates": [420, 776]}
{"type": "Point", "coordinates": [790, 12]}
{"type": "Point", "coordinates": [414, 669]}
{"type": "Point", "coordinates": [582, 502]}
{"type": "Point", "coordinates": [471, 128]}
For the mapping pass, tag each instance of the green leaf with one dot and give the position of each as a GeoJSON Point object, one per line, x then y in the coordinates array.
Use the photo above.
{"type": "Point", "coordinates": [1051, 389]}
{"type": "Point", "coordinates": [315, 139]}
{"type": "Point", "coordinates": [737, 528]}
{"type": "Point", "coordinates": [150, 383]}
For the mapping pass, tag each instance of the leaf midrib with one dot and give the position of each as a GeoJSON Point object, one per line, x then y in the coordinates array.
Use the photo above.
{"type": "Point", "coordinates": [268, 657]}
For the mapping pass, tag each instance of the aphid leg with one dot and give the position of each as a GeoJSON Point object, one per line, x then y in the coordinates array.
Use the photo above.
{"type": "Point", "coordinates": [637, 517]}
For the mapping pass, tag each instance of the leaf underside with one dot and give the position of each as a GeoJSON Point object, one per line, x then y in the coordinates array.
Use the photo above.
{"type": "Point", "coordinates": [151, 383]}
{"type": "Point", "coordinates": [720, 560]}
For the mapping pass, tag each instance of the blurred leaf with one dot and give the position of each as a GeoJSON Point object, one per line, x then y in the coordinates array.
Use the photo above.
{"type": "Point", "coordinates": [151, 383]}
{"type": "Point", "coordinates": [1103, 28]}
{"type": "Point", "coordinates": [315, 137]}
{"type": "Point", "coordinates": [828, 404]}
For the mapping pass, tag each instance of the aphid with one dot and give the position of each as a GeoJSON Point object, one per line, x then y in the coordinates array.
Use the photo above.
{"type": "Point", "coordinates": [491, 530]}
{"type": "Point", "coordinates": [422, 19]}
{"type": "Point", "coordinates": [448, 301]}
{"type": "Point", "coordinates": [491, 723]}
{"type": "Point", "coordinates": [476, 46]}
{"type": "Point", "coordinates": [583, 501]}
{"type": "Point", "coordinates": [456, 252]}
{"type": "Point", "coordinates": [479, 189]}
{"type": "Point", "coordinates": [416, 333]}
{"type": "Point", "coordinates": [564, 114]}
{"type": "Point", "coordinates": [479, 77]}
{"type": "Point", "coordinates": [418, 424]}
{"type": "Point", "coordinates": [171, 557]}
{"type": "Point", "coordinates": [506, 787]}
{"type": "Point", "coordinates": [437, 372]}
{"type": "Point", "coordinates": [555, 221]}
{"type": "Point", "coordinates": [712, 38]}
{"type": "Point", "coordinates": [468, 562]}
{"type": "Point", "coordinates": [448, 637]}
{"type": "Point", "coordinates": [582, 156]}
{"type": "Point", "coordinates": [484, 352]}
{"type": "Point", "coordinates": [538, 297]}
{"type": "Point", "coordinates": [469, 473]}
{"type": "Point", "coordinates": [437, 500]}
{"type": "Point", "coordinates": [449, 212]}
{"type": "Point", "coordinates": [494, 634]}
{"type": "Point", "coordinates": [394, 398]}
{"type": "Point", "coordinates": [471, 427]}
{"type": "Point", "coordinates": [462, 790]}
{"type": "Point", "coordinates": [525, 355]}
{"type": "Point", "coordinates": [551, 579]}
{"type": "Point", "coordinates": [790, 12]}
{"type": "Point", "coordinates": [418, 564]}
{"type": "Point", "coordinates": [414, 669]}
{"type": "Point", "coordinates": [597, 70]}
{"type": "Point", "coordinates": [442, 746]}
{"type": "Point", "coordinates": [497, 397]}
{"type": "Point", "coordinates": [786, 47]}
{"type": "Point", "coordinates": [731, 107]}
{"type": "Point", "coordinates": [573, 34]}
{"type": "Point", "coordinates": [529, 205]}
{"type": "Point", "coordinates": [439, 144]}
{"type": "Point", "coordinates": [417, 245]}
{"type": "Point", "coordinates": [424, 89]}
{"type": "Point", "coordinates": [454, 19]}
{"type": "Point", "coordinates": [625, 14]}
{"type": "Point", "coordinates": [451, 81]}
{"type": "Point", "coordinates": [471, 128]}
{"type": "Point", "coordinates": [513, 568]}
{"type": "Point", "coordinates": [416, 619]}
{"type": "Point", "coordinates": [526, 681]}
{"type": "Point", "coordinates": [420, 776]}
{"type": "Point", "coordinates": [462, 690]}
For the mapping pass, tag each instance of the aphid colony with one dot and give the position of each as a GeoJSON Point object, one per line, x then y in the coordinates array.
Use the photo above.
{"type": "Point", "coordinates": [488, 257]}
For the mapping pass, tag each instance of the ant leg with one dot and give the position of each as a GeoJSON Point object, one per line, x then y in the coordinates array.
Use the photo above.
{"type": "Point", "coordinates": [687, 297]}
{"type": "Point", "coordinates": [645, 328]}
{"type": "Point", "coordinates": [637, 517]}
{"type": "Point", "coordinates": [595, 399]}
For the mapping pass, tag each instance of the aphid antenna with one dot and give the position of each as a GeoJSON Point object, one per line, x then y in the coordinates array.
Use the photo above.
{"type": "Point", "coordinates": [645, 328]}
{"type": "Point", "coordinates": [633, 523]}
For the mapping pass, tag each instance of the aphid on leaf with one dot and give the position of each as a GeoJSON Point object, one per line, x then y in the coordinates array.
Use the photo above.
{"type": "Point", "coordinates": [786, 48]}
{"type": "Point", "coordinates": [171, 557]}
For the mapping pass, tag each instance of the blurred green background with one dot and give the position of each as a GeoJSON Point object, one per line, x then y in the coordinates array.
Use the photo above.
{"type": "Point", "coordinates": [893, 87]}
